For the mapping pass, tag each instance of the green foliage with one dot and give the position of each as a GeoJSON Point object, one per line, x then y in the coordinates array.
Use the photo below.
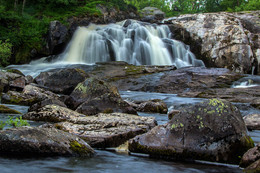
{"type": "Point", "coordinates": [2, 125]}
{"type": "Point", "coordinates": [5, 52]}
{"type": "Point", "coordinates": [17, 122]}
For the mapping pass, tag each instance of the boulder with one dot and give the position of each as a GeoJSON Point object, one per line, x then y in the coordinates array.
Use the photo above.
{"type": "Point", "coordinates": [35, 141]}
{"type": "Point", "coordinates": [251, 156]}
{"type": "Point", "coordinates": [220, 39]}
{"type": "Point", "coordinates": [253, 168]}
{"type": "Point", "coordinates": [37, 106]}
{"type": "Point", "coordinates": [52, 113]}
{"type": "Point", "coordinates": [252, 121]}
{"type": "Point", "coordinates": [108, 130]}
{"type": "Point", "coordinates": [213, 130]}
{"type": "Point", "coordinates": [62, 81]}
{"type": "Point", "coordinates": [30, 95]}
{"type": "Point", "coordinates": [93, 96]}
{"type": "Point", "coordinates": [153, 106]}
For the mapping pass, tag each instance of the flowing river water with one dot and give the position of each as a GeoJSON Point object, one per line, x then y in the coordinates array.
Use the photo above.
{"type": "Point", "coordinates": [110, 161]}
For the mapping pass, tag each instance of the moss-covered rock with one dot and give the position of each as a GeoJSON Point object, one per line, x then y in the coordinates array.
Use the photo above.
{"type": "Point", "coordinates": [7, 110]}
{"type": "Point", "coordinates": [213, 130]}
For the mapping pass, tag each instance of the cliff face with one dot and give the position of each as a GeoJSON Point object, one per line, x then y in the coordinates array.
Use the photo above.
{"type": "Point", "coordinates": [229, 40]}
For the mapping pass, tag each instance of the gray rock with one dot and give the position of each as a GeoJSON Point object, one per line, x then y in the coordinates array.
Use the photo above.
{"type": "Point", "coordinates": [252, 121]}
{"type": "Point", "coordinates": [35, 141]}
{"type": "Point", "coordinates": [213, 130]}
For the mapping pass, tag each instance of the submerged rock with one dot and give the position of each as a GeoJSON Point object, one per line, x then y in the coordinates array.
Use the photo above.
{"type": "Point", "coordinates": [108, 130]}
{"type": "Point", "coordinates": [153, 106]}
{"type": "Point", "coordinates": [251, 156]}
{"type": "Point", "coordinates": [35, 141]}
{"type": "Point", "coordinates": [213, 130]}
{"type": "Point", "coordinates": [5, 109]}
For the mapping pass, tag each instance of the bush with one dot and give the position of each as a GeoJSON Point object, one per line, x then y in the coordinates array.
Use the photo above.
{"type": "Point", "coordinates": [5, 52]}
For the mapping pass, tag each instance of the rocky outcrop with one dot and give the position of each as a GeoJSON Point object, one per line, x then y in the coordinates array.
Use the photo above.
{"type": "Point", "coordinates": [222, 40]}
{"type": "Point", "coordinates": [34, 141]}
{"type": "Point", "coordinates": [94, 96]}
{"type": "Point", "coordinates": [213, 130]}
{"type": "Point", "coordinates": [108, 130]}
{"type": "Point", "coordinates": [252, 121]}
{"type": "Point", "coordinates": [30, 95]}
{"type": "Point", "coordinates": [62, 81]}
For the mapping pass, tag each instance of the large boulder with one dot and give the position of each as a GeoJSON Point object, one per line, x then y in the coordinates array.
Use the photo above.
{"type": "Point", "coordinates": [35, 141]}
{"type": "Point", "coordinates": [93, 96]}
{"type": "Point", "coordinates": [213, 130]}
{"type": "Point", "coordinates": [62, 81]}
{"type": "Point", "coordinates": [102, 130]}
{"type": "Point", "coordinates": [108, 130]}
{"type": "Point", "coordinates": [220, 39]}
{"type": "Point", "coordinates": [30, 95]}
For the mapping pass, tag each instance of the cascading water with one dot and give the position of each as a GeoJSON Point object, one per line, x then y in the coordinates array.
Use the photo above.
{"type": "Point", "coordinates": [129, 41]}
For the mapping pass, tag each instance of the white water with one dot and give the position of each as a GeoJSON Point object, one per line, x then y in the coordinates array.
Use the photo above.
{"type": "Point", "coordinates": [138, 44]}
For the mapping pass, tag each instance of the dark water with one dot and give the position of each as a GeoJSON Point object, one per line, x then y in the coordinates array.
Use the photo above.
{"type": "Point", "coordinates": [112, 162]}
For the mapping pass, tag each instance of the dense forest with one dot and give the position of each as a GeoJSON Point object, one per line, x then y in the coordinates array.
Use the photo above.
{"type": "Point", "coordinates": [24, 22]}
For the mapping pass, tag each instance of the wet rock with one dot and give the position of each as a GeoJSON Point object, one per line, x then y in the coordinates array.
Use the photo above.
{"type": "Point", "coordinates": [220, 39]}
{"type": "Point", "coordinates": [57, 37]}
{"type": "Point", "coordinates": [153, 106]}
{"type": "Point", "coordinates": [62, 81]}
{"type": "Point", "coordinates": [172, 113]}
{"type": "Point", "coordinates": [5, 78]}
{"type": "Point", "coordinates": [213, 130]}
{"type": "Point", "coordinates": [253, 168]}
{"type": "Point", "coordinates": [252, 121]}
{"type": "Point", "coordinates": [30, 95]}
{"type": "Point", "coordinates": [93, 96]}
{"type": "Point", "coordinates": [5, 109]}
{"type": "Point", "coordinates": [53, 113]}
{"type": "Point", "coordinates": [37, 106]}
{"type": "Point", "coordinates": [108, 130]}
{"type": "Point", "coordinates": [180, 81]}
{"type": "Point", "coordinates": [251, 156]}
{"type": "Point", "coordinates": [243, 95]}
{"type": "Point", "coordinates": [34, 141]}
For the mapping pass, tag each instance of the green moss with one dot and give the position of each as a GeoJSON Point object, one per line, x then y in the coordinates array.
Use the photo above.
{"type": "Point", "coordinates": [80, 87]}
{"type": "Point", "coordinates": [219, 105]}
{"type": "Point", "coordinates": [108, 111]}
{"type": "Point", "coordinates": [79, 148]}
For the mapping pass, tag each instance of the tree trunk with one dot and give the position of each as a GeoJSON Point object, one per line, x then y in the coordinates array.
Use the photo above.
{"type": "Point", "coordinates": [24, 1]}
{"type": "Point", "coordinates": [15, 5]}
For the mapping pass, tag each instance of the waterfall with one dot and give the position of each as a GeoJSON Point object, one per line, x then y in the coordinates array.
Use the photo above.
{"type": "Point", "coordinates": [130, 41]}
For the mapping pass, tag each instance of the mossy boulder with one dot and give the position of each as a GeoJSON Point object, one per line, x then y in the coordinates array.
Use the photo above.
{"type": "Point", "coordinates": [213, 130]}
{"type": "Point", "coordinates": [96, 96]}
{"type": "Point", "coordinates": [5, 109]}
{"type": "Point", "coordinates": [35, 141]}
{"type": "Point", "coordinates": [62, 81]}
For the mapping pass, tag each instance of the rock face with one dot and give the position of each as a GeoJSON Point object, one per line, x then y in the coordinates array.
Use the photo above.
{"type": "Point", "coordinates": [221, 39]}
{"type": "Point", "coordinates": [213, 130]}
{"type": "Point", "coordinates": [94, 96]}
{"type": "Point", "coordinates": [34, 141]}
{"type": "Point", "coordinates": [252, 121]}
{"type": "Point", "coordinates": [57, 37]}
{"type": "Point", "coordinates": [62, 81]}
